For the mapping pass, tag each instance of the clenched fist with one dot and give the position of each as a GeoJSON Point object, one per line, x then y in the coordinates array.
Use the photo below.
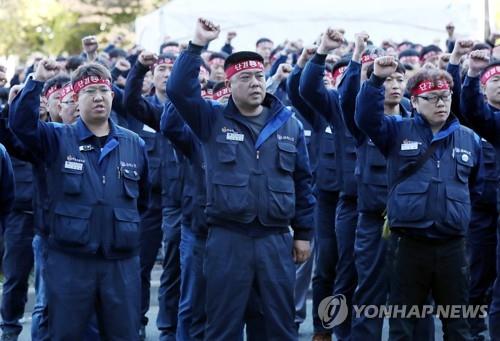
{"type": "Point", "coordinates": [205, 32]}
{"type": "Point", "coordinates": [478, 60]}
{"type": "Point", "coordinates": [147, 58]}
{"type": "Point", "coordinates": [384, 66]}
{"type": "Point", "coordinates": [46, 69]}
{"type": "Point", "coordinates": [331, 40]}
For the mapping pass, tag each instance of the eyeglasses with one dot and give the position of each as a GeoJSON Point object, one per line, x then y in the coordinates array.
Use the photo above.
{"type": "Point", "coordinates": [435, 99]}
{"type": "Point", "coordinates": [68, 102]}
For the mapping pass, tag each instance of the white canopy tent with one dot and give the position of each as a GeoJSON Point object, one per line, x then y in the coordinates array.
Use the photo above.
{"type": "Point", "coordinates": [421, 21]}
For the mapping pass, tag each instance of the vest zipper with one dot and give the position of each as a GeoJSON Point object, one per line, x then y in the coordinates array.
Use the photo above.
{"type": "Point", "coordinates": [257, 156]}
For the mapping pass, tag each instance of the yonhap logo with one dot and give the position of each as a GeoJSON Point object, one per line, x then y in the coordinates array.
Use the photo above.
{"type": "Point", "coordinates": [332, 311]}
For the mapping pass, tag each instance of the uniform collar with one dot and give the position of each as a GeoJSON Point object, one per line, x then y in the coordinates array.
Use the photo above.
{"type": "Point", "coordinates": [449, 127]}
{"type": "Point", "coordinates": [84, 132]}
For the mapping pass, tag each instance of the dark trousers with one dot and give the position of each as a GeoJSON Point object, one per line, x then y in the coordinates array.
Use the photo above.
{"type": "Point", "coordinates": [345, 279]}
{"type": "Point", "coordinates": [494, 312]}
{"type": "Point", "coordinates": [235, 264]}
{"type": "Point", "coordinates": [325, 253]}
{"type": "Point", "coordinates": [17, 264]}
{"type": "Point", "coordinates": [423, 267]}
{"type": "Point", "coordinates": [169, 290]}
{"type": "Point", "coordinates": [79, 285]}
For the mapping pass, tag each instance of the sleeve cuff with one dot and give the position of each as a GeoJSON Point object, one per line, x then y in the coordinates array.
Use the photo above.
{"type": "Point", "coordinates": [196, 49]}
{"type": "Point", "coordinates": [376, 80]}
{"type": "Point", "coordinates": [319, 59]}
{"type": "Point", "coordinates": [302, 234]}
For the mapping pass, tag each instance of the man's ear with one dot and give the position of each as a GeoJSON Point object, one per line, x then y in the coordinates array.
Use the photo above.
{"type": "Point", "coordinates": [75, 97]}
{"type": "Point", "coordinates": [413, 100]}
{"type": "Point", "coordinates": [227, 83]}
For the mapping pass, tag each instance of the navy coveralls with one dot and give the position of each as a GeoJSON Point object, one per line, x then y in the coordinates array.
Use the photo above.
{"type": "Point", "coordinates": [486, 120]}
{"type": "Point", "coordinates": [255, 190]}
{"type": "Point", "coordinates": [7, 184]}
{"type": "Point", "coordinates": [330, 104]}
{"type": "Point", "coordinates": [94, 202]}
{"type": "Point", "coordinates": [144, 118]}
{"type": "Point", "coordinates": [429, 211]}
{"type": "Point", "coordinates": [327, 188]}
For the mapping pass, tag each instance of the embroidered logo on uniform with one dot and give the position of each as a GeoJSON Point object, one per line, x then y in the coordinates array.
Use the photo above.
{"type": "Point", "coordinates": [235, 137]}
{"type": "Point", "coordinates": [226, 129]}
{"type": "Point", "coordinates": [307, 133]}
{"type": "Point", "coordinates": [409, 145]}
{"type": "Point", "coordinates": [72, 158]}
{"type": "Point", "coordinates": [73, 165]}
{"type": "Point", "coordinates": [284, 137]}
{"type": "Point", "coordinates": [466, 154]}
{"type": "Point", "coordinates": [328, 130]}
{"type": "Point", "coordinates": [128, 164]}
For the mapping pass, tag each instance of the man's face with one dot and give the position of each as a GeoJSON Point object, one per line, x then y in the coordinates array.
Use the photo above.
{"type": "Point", "coordinates": [434, 105]}
{"type": "Point", "coordinates": [394, 88]}
{"type": "Point", "coordinates": [94, 102]}
{"type": "Point", "coordinates": [248, 87]}
{"type": "Point", "coordinates": [53, 106]}
{"type": "Point", "coordinates": [3, 79]}
{"type": "Point", "coordinates": [264, 49]}
{"type": "Point", "coordinates": [492, 91]}
{"type": "Point", "coordinates": [217, 73]}
{"type": "Point", "coordinates": [203, 76]}
{"type": "Point", "coordinates": [68, 112]}
{"type": "Point", "coordinates": [160, 76]}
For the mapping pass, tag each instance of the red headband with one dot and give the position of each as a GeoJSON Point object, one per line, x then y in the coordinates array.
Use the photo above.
{"type": "Point", "coordinates": [409, 59]}
{"type": "Point", "coordinates": [92, 80]}
{"type": "Point", "coordinates": [493, 71]}
{"type": "Point", "coordinates": [242, 66]}
{"type": "Point", "coordinates": [368, 58]}
{"type": "Point", "coordinates": [429, 55]}
{"type": "Point", "coordinates": [221, 93]}
{"type": "Point", "coordinates": [52, 90]}
{"type": "Point", "coordinates": [207, 94]}
{"type": "Point", "coordinates": [161, 61]}
{"type": "Point", "coordinates": [428, 85]}
{"type": "Point", "coordinates": [66, 90]}
{"type": "Point", "coordinates": [338, 72]}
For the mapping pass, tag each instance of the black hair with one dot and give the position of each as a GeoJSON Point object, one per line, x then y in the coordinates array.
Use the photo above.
{"type": "Point", "coordinates": [263, 40]}
{"type": "Point", "coordinates": [73, 63]}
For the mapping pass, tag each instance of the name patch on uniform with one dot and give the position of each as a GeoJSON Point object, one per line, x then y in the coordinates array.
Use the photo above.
{"type": "Point", "coordinates": [307, 133]}
{"type": "Point", "coordinates": [148, 129]}
{"type": "Point", "coordinates": [409, 145]}
{"type": "Point", "coordinates": [235, 137]}
{"type": "Point", "coordinates": [73, 165]}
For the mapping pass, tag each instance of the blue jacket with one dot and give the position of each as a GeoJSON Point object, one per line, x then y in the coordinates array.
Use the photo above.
{"type": "Point", "coordinates": [484, 118]}
{"type": "Point", "coordinates": [194, 195]}
{"type": "Point", "coordinates": [327, 103]}
{"type": "Point", "coordinates": [252, 185]}
{"type": "Point", "coordinates": [144, 118]}
{"type": "Point", "coordinates": [94, 197]}
{"type": "Point", "coordinates": [7, 186]}
{"type": "Point", "coordinates": [325, 161]}
{"type": "Point", "coordinates": [434, 202]}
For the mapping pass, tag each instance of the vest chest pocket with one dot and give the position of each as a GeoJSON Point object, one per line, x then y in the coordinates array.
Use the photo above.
{"type": "Point", "coordinates": [286, 156]}
{"type": "Point", "coordinates": [130, 182]}
{"type": "Point", "coordinates": [126, 229]}
{"type": "Point", "coordinates": [464, 167]}
{"type": "Point", "coordinates": [72, 180]}
{"type": "Point", "coordinates": [281, 198]}
{"type": "Point", "coordinates": [71, 224]}
{"type": "Point", "coordinates": [226, 150]}
{"type": "Point", "coordinates": [409, 201]}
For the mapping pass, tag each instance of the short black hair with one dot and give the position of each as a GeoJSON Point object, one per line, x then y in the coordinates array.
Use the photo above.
{"type": "Point", "coordinates": [481, 46]}
{"type": "Point", "coordinates": [409, 53]}
{"type": "Point", "coordinates": [429, 48]}
{"type": "Point", "coordinates": [73, 63]}
{"type": "Point", "coordinates": [218, 86]}
{"type": "Point", "coordinates": [263, 40]}
{"type": "Point", "coordinates": [221, 55]}
{"type": "Point", "coordinates": [117, 52]}
{"type": "Point", "coordinates": [433, 75]}
{"type": "Point", "coordinates": [167, 44]}
{"type": "Point", "coordinates": [57, 81]}
{"type": "Point", "coordinates": [341, 63]}
{"type": "Point", "coordinates": [242, 56]}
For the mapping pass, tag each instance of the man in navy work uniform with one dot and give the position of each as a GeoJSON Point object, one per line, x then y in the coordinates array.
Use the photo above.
{"type": "Point", "coordinates": [97, 182]}
{"type": "Point", "coordinates": [258, 184]}
{"type": "Point", "coordinates": [485, 118]}
{"type": "Point", "coordinates": [7, 186]}
{"type": "Point", "coordinates": [428, 208]}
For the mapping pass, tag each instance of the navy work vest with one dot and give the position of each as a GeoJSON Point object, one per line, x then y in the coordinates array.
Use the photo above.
{"type": "Point", "coordinates": [437, 195]}
{"type": "Point", "coordinates": [23, 176]}
{"type": "Point", "coordinates": [91, 211]}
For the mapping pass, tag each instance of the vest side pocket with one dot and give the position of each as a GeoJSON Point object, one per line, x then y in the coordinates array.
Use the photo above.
{"type": "Point", "coordinates": [70, 224]}
{"type": "Point", "coordinates": [126, 229]}
{"type": "Point", "coordinates": [281, 196]}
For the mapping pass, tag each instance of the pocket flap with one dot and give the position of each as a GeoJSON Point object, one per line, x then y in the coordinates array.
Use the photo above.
{"type": "Point", "coordinates": [287, 147]}
{"type": "Point", "coordinates": [464, 159]}
{"type": "Point", "coordinates": [131, 174]}
{"type": "Point", "coordinates": [412, 187]}
{"type": "Point", "coordinates": [237, 180]}
{"type": "Point", "coordinates": [76, 211]}
{"type": "Point", "coordinates": [457, 194]}
{"type": "Point", "coordinates": [127, 214]}
{"type": "Point", "coordinates": [280, 185]}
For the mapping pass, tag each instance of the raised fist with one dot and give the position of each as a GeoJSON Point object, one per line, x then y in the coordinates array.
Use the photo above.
{"type": "Point", "coordinates": [462, 47]}
{"type": "Point", "coordinates": [444, 59]}
{"type": "Point", "coordinates": [89, 44]}
{"type": "Point", "coordinates": [384, 66]}
{"type": "Point", "coordinates": [14, 90]}
{"type": "Point", "coordinates": [205, 32]}
{"type": "Point", "coordinates": [307, 53]}
{"type": "Point", "coordinates": [46, 69]}
{"type": "Point", "coordinates": [478, 60]}
{"type": "Point", "coordinates": [360, 42]}
{"type": "Point", "coordinates": [331, 40]}
{"type": "Point", "coordinates": [147, 58]}
{"type": "Point", "coordinates": [230, 36]}
{"type": "Point", "coordinates": [283, 71]}
{"type": "Point", "coordinates": [123, 65]}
